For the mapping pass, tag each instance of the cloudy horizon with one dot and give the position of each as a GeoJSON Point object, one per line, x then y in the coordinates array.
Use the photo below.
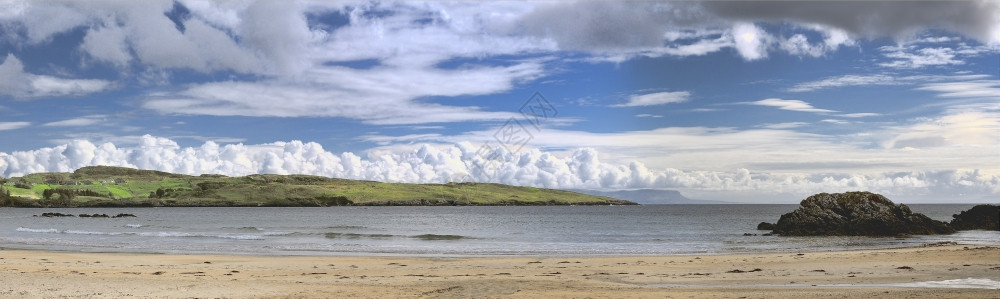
{"type": "Point", "coordinates": [760, 102]}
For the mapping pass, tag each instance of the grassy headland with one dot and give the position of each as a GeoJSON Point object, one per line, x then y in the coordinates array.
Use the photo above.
{"type": "Point", "coordinates": [104, 186]}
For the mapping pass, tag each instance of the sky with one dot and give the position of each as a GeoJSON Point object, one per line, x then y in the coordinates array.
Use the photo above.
{"type": "Point", "coordinates": [758, 102]}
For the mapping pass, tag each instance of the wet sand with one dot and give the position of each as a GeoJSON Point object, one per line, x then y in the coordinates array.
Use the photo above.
{"type": "Point", "coordinates": [34, 274]}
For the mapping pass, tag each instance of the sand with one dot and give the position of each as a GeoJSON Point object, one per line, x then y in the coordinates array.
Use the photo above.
{"type": "Point", "coordinates": [34, 274]}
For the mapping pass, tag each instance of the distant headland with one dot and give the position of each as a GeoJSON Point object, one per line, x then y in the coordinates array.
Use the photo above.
{"type": "Point", "coordinates": [106, 186]}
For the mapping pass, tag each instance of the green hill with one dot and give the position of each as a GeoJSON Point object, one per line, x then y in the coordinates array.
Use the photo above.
{"type": "Point", "coordinates": [106, 186]}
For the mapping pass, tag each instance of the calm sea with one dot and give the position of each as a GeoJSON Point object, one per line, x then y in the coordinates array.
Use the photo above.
{"type": "Point", "coordinates": [441, 231]}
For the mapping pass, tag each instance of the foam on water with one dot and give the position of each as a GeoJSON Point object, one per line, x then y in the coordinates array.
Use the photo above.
{"type": "Point", "coordinates": [38, 230]}
{"type": "Point", "coordinates": [964, 283]}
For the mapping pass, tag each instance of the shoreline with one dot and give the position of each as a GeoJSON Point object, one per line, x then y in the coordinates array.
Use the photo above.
{"type": "Point", "coordinates": [850, 273]}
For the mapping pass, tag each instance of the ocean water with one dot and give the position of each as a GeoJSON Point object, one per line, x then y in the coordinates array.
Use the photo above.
{"type": "Point", "coordinates": [442, 231]}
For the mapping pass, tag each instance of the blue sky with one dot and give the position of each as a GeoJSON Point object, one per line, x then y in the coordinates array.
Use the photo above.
{"type": "Point", "coordinates": [740, 101]}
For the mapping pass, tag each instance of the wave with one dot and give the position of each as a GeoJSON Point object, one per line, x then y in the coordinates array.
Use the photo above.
{"type": "Point", "coordinates": [433, 237]}
{"type": "Point", "coordinates": [250, 228]}
{"type": "Point", "coordinates": [200, 235]}
{"type": "Point", "coordinates": [346, 227]}
{"type": "Point", "coordinates": [134, 225]}
{"type": "Point", "coordinates": [160, 234]}
{"type": "Point", "coordinates": [80, 232]}
{"type": "Point", "coordinates": [425, 237]}
{"type": "Point", "coordinates": [358, 236]}
{"type": "Point", "coordinates": [38, 230]}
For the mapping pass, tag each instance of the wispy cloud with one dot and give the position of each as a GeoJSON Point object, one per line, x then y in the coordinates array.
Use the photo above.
{"type": "Point", "coordinates": [846, 80]}
{"type": "Point", "coordinates": [784, 126]}
{"type": "Point", "coordinates": [78, 122]}
{"type": "Point", "coordinates": [659, 98]}
{"type": "Point", "coordinates": [909, 58]}
{"type": "Point", "coordinates": [967, 89]}
{"type": "Point", "coordinates": [791, 105]}
{"type": "Point", "coordinates": [858, 115]}
{"type": "Point", "coordinates": [6, 126]}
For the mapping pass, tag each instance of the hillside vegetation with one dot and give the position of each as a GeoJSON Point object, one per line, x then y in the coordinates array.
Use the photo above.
{"type": "Point", "coordinates": [106, 186]}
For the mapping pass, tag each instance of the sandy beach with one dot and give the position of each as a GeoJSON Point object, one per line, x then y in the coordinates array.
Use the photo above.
{"type": "Point", "coordinates": [32, 274]}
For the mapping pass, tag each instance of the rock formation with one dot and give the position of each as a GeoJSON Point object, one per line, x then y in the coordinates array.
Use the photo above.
{"type": "Point", "coordinates": [856, 214]}
{"type": "Point", "coordinates": [978, 217]}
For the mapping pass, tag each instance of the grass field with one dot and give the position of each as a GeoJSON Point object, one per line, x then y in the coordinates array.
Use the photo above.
{"type": "Point", "coordinates": [117, 186]}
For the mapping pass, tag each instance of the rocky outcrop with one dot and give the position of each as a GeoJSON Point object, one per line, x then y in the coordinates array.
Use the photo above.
{"type": "Point", "coordinates": [978, 217]}
{"type": "Point", "coordinates": [856, 214]}
{"type": "Point", "coordinates": [55, 215]}
{"type": "Point", "coordinates": [765, 226]}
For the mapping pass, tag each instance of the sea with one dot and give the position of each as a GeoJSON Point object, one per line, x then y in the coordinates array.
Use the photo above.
{"type": "Point", "coordinates": [452, 231]}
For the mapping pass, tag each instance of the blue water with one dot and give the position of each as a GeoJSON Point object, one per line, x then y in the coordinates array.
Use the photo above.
{"type": "Point", "coordinates": [442, 231]}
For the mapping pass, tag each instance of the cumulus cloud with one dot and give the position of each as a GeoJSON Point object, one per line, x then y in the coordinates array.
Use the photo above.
{"type": "Point", "coordinates": [751, 41]}
{"type": "Point", "coordinates": [899, 20]}
{"type": "Point", "coordinates": [15, 82]}
{"type": "Point", "coordinates": [578, 168]}
{"type": "Point", "coordinates": [300, 63]}
{"type": "Point", "coordinates": [617, 31]}
{"type": "Point", "coordinates": [607, 26]}
{"type": "Point", "coordinates": [658, 98]}
{"type": "Point", "coordinates": [791, 105]}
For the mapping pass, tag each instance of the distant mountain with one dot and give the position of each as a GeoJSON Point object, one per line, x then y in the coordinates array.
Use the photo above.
{"type": "Point", "coordinates": [649, 196]}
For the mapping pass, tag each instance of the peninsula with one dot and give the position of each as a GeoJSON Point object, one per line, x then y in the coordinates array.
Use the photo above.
{"type": "Point", "coordinates": [105, 186]}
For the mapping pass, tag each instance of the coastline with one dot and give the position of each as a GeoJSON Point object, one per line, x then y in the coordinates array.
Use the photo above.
{"type": "Point", "coordinates": [853, 273]}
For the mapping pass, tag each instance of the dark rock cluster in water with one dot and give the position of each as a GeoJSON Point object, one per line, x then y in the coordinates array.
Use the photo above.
{"type": "Point", "coordinates": [121, 215]}
{"type": "Point", "coordinates": [765, 226]}
{"type": "Point", "coordinates": [978, 217]}
{"type": "Point", "coordinates": [856, 214]}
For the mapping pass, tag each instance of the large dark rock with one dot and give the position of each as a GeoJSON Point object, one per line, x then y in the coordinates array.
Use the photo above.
{"type": "Point", "coordinates": [856, 214]}
{"type": "Point", "coordinates": [979, 217]}
{"type": "Point", "coordinates": [765, 226]}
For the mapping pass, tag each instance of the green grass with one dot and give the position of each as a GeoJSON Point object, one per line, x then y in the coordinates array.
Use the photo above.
{"type": "Point", "coordinates": [286, 190]}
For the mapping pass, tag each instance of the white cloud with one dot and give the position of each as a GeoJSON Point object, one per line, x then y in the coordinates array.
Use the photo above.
{"type": "Point", "coordinates": [978, 129]}
{"type": "Point", "coordinates": [378, 96]}
{"type": "Point", "coordinates": [859, 115]}
{"type": "Point", "coordinates": [576, 168]}
{"type": "Point", "coordinates": [6, 126]}
{"type": "Point", "coordinates": [799, 45]}
{"type": "Point", "coordinates": [645, 115]}
{"type": "Point", "coordinates": [966, 89]}
{"type": "Point", "coordinates": [883, 79]}
{"type": "Point", "coordinates": [77, 122]}
{"type": "Point", "coordinates": [107, 44]}
{"type": "Point", "coordinates": [618, 31]}
{"type": "Point", "coordinates": [791, 105]}
{"type": "Point", "coordinates": [658, 98]}
{"type": "Point", "coordinates": [15, 82]}
{"type": "Point", "coordinates": [845, 80]}
{"type": "Point", "coordinates": [874, 19]}
{"type": "Point", "coordinates": [784, 126]}
{"type": "Point", "coordinates": [909, 58]}
{"type": "Point", "coordinates": [750, 41]}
